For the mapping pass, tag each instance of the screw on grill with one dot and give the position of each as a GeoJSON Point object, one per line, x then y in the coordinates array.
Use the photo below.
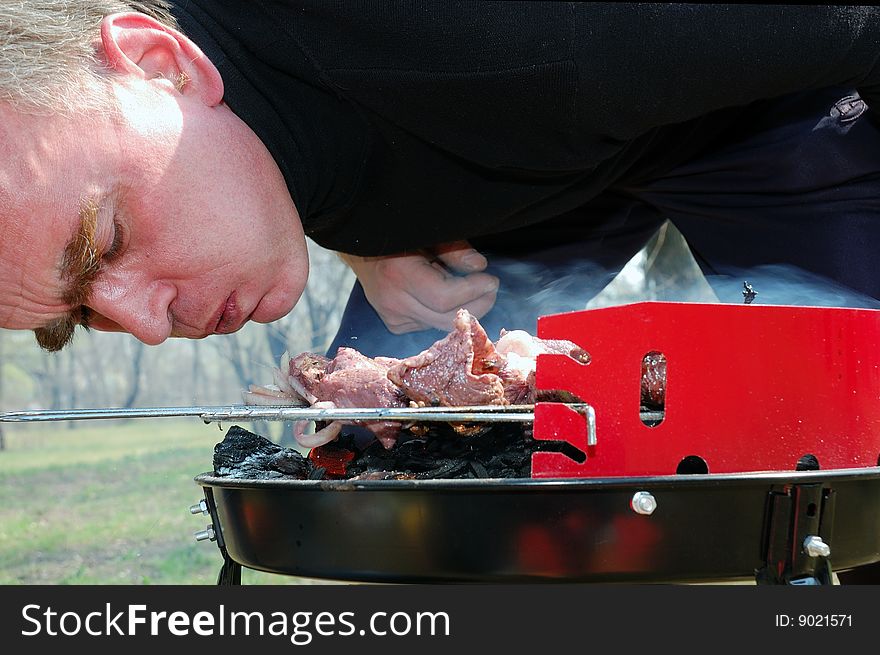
{"type": "Point", "coordinates": [207, 534]}
{"type": "Point", "coordinates": [643, 503]}
{"type": "Point", "coordinates": [200, 507]}
{"type": "Point", "coordinates": [815, 547]}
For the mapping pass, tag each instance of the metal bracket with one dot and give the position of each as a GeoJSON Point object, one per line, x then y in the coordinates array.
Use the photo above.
{"type": "Point", "coordinates": [798, 525]}
{"type": "Point", "coordinates": [230, 572]}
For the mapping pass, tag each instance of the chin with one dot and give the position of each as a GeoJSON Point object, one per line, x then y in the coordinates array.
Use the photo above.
{"type": "Point", "coordinates": [277, 303]}
{"type": "Point", "coordinates": [286, 289]}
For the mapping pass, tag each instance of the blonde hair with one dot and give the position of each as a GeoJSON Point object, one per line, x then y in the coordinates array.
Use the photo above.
{"type": "Point", "coordinates": [49, 59]}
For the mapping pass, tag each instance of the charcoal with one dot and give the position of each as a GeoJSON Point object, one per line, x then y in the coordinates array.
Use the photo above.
{"type": "Point", "coordinates": [243, 454]}
{"type": "Point", "coordinates": [500, 451]}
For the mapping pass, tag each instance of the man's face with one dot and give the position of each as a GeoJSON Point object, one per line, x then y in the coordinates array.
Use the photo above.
{"type": "Point", "coordinates": [183, 206]}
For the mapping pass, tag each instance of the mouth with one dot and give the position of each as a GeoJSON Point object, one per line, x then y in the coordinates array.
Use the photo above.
{"type": "Point", "coordinates": [230, 316]}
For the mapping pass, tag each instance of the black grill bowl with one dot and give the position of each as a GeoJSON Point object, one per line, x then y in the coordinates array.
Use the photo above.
{"type": "Point", "coordinates": [705, 527]}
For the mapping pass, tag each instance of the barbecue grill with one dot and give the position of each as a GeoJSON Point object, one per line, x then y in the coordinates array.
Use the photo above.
{"type": "Point", "coordinates": [706, 488]}
{"type": "Point", "coordinates": [761, 462]}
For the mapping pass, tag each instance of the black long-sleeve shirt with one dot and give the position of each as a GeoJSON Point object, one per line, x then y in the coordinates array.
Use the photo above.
{"type": "Point", "coordinates": [398, 125]}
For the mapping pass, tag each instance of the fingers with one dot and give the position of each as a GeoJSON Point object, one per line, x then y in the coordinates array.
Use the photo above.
{"type": "Point", "coordinates": [412, 292]}
{"type": "Point", "coordinates": [440, 292]}
{"type": "Point", "coordinates": [479, 307]}
{"type": "Point", "coordinates": [460, 257]}
{"type": "Point", "coordinates": [420, 317]}
{"type": "Point", "coordinates": [434, 298]}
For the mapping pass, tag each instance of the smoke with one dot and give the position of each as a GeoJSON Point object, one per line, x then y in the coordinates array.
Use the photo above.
{"type": "Point", "coordinates": [787, 285]}
{"type": "Point", "coordinates": [547, 283]}
{"type": "Point", "coordinates": [532, 288]}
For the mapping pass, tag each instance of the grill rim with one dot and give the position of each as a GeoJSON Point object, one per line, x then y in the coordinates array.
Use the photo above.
{"type": "Point", "coordinates": [208, 479]}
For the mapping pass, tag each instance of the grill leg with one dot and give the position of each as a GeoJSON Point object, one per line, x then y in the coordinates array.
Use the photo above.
{"type": "Point", "coordinates": [230, 572]}
{"type": "Point", "coordinates": [794, 514]}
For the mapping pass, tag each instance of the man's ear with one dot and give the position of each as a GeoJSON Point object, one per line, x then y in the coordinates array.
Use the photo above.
{"type": "Point", "coordinates": [136, 44]}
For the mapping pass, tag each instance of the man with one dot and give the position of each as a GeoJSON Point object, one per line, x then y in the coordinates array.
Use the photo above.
{"type": "Point", "coordinates": [157, 177]}
{"type": "Point", "coordinates": [155, 211]}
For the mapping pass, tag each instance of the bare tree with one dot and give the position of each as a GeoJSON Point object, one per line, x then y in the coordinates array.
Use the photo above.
{"type": "Point", "coordinates": [313, 324]}
{"type": "Point", "coordinates": [137, 357]}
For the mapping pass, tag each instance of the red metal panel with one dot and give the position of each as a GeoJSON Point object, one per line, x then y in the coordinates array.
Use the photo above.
{"type": "Point", "coordinates": [748, 388]}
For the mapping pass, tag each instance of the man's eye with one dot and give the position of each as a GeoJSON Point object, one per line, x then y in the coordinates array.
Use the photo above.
{"type": "Point", "coordinates": [116, 245]}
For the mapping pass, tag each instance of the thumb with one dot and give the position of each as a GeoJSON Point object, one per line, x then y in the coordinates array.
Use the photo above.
{"type": "Point", "coordinates": [460, 257]}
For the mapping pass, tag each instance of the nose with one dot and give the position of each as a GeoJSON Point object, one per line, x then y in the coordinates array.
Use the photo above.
{"type": "Point", "coordinates": [142, 310]}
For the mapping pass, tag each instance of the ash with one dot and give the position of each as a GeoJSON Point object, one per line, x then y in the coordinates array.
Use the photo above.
{"type": "Point", "coordinates": [499, 451]}
{"type": "Point", "coordinates": [243, 454]}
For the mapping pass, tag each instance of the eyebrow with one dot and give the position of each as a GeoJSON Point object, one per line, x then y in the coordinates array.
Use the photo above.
{"type": "Point", "coordinates": [81, 261]}
{"type": "Point", "coordinates": [80, 265]}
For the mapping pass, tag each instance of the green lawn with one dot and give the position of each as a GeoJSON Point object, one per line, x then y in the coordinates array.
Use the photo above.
{"type": "Point", "coordinates": [108, 503]}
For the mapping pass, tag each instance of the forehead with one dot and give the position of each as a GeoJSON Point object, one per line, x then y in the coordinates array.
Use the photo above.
{"type": "Point", "coordinates": [35, 220]}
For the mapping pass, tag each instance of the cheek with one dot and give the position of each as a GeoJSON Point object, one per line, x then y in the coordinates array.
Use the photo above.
{"type": "Point", "coordinates": [216, 206]}
{"type": "Point", "coordinates": [174, 228]}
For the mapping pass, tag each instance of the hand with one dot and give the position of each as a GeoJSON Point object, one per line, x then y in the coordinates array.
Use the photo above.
{"type": "Point", "coordinates": [418, 291]}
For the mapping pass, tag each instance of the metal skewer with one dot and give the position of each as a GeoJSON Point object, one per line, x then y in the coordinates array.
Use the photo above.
{"type": "Point", "coordinates": [213, 414]}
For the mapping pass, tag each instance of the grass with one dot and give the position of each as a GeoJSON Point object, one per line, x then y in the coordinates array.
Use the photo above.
{"type": "Point", "coordinates": [108, 503]}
